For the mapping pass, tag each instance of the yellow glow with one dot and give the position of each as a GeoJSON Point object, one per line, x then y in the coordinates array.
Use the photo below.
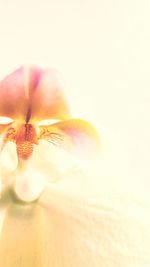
{"type": "Point", "coordinates": [2, 218]}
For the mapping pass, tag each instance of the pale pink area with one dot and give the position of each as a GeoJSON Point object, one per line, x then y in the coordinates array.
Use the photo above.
{"type": "Point", "coordinates": [32, 93]}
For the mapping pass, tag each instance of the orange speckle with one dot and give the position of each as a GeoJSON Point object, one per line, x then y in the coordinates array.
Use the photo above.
{"type": "Point", "coordinates": [26, 137]}
{"type": "Point", "coordinates": [24, 149]}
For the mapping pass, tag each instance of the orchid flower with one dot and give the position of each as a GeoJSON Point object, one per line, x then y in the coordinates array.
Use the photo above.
{"type": "Point", "coordinates": [83, 223]}
{"type": "Point", "coordinates": [31, 95]}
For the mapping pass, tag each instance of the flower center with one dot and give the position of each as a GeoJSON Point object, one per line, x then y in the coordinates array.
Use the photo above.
{"type": "Point", "coordinates": [25, 139]}
{"type": "Point", "coordinates": [24, 149]}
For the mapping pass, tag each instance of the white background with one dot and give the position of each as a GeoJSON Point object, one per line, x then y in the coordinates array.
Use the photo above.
{"type": "Point", "coordinates": [102, 47]}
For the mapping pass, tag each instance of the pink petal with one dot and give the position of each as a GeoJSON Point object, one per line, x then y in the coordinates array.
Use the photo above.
{"type": "Point", "coordinates": [32, 94]}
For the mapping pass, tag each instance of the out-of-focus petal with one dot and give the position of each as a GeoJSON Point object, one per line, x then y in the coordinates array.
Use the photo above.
{"type": "Point", "coordinates": [32, 93]}
{"type": "Point", "coordinates": [75, 135]}
{"type": "Point", "coordinates": [20, 241]}
{"type": "Point", "coordinates": [91, 223]}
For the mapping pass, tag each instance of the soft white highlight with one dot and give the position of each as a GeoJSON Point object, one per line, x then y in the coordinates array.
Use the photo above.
{"type": "Point", "coordinates": [28, 185]}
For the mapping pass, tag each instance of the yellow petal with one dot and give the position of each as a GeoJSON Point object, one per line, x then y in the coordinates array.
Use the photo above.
{"type": "Point", "coordinates": [21, 236]}
{"type": "Point", "coordinates": [75, 135]}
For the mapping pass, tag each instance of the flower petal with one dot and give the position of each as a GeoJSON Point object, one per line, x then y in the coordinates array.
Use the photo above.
{"type": "Point", "coordinates": [48, 101]}
{"type": "Point", "coordinates": [75, 135]}
{"type": "Point", "coordinates": [4, 127]}
{"type": "Point", "coordinates": [13, 103]}
{"type": "Point", "coordinates": [22, 229]}
{"type": "Point", "coordinates": [32, 93]}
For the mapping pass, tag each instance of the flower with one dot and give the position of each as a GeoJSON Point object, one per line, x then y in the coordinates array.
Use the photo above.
{"type": "Point", "coordinates": [87, 220]}
{"type": "Point", "coordinates": [31, 95]}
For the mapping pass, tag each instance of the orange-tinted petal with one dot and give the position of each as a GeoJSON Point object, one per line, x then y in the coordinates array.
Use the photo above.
{"type": "Point", "coordinates": [4, 127]}
{"type": "Point", "coordinates": [12, 97]}
{"type": "Point", "coordinates": [75, 135]}
{"type": "Point", "coordinates": [8, 132]}
{"type": "Point", "coordinates": [32, 93]}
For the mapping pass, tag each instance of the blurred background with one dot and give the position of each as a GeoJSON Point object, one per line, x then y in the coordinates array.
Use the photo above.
{"type": "Point", "coordinates": [102, 48]}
